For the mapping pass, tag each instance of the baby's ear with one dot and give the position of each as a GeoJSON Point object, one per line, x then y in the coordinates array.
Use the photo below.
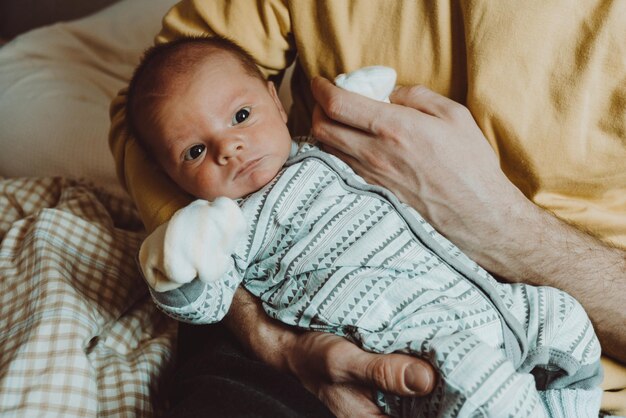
{"type": "Point", "coordinates": [272, 89]}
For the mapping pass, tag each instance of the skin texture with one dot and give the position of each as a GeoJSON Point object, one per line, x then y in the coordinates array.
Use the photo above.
{"type": "Point", "coordinates": [231, 122]}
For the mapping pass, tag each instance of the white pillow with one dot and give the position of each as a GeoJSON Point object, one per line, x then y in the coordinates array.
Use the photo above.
{"type": "Point", "coordinates": [56, 84]}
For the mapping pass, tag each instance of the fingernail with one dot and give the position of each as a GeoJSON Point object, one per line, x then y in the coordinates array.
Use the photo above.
{"type": "Point", "coordinates": [417, 378]}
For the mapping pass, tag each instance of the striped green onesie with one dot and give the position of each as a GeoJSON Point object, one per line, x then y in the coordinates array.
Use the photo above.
{"type": "Point", "coordinates": [327, 252]}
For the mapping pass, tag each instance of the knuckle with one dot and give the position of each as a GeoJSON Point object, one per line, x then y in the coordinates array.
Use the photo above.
{"type": "Point", "coordinates": [335, 107]}
{"type": "Point", "coordinates": [380, 373]}
{"type": "Point", "coordinates": [383, 126]}
{"type": "Point", "coordinates": [392, 134]}
{"type": "Point", "coordinates": [418, 90]}
{"type": "Point", "coordinates": [457, 111]}
{"type": "Point", "coordinates": [317, 129]}
{"type": "Point", "coordinates": [378, 127]}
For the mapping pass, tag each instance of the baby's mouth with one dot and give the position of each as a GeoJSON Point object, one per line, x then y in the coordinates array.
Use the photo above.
{"type": "Point", "coordinates": [248, 166]}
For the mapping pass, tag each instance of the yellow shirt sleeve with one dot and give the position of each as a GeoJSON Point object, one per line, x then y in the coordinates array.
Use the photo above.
{"type": "Point", "coordinates": [261, 27]}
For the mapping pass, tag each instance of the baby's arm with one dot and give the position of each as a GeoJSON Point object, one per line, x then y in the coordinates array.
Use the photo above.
{"type": "Point", "coordinates": [196, 243]}
{"type": "Point", "coordinates": [197, 302]}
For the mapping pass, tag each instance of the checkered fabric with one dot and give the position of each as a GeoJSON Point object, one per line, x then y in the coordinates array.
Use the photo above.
{"type": "Point", "coordinates": [79, 334]}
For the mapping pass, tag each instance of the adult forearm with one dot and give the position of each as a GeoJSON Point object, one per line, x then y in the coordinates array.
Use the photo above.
{"type": "Point", "coordinates": [526, 243]}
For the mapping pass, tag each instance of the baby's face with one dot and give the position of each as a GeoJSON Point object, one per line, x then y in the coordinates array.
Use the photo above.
{"type": "Point", "coordinates": [222, 132]}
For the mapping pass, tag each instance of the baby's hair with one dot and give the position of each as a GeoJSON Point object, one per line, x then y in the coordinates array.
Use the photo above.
{"type": "Point", "coordinates": [162, 65]}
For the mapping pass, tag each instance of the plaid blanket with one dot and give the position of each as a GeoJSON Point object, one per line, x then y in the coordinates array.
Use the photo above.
{"type": "Point", "coordinates": [79, 334]}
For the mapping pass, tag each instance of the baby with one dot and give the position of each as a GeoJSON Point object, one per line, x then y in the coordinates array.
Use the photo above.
{"type": "Point", "coordinates": [325, 251]}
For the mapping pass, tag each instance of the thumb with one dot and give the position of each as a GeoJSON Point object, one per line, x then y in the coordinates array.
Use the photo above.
{"type": "Point", "coordinates": [400, 374]}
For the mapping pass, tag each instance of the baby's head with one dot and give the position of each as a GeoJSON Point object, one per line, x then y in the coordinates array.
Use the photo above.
{"type": "Point", "coordinates": [204, 111]}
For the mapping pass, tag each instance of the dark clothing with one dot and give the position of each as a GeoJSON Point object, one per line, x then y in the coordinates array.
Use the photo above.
{"type": "Point", "coordinates": [215, 377]}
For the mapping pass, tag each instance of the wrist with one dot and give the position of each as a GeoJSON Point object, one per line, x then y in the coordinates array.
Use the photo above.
{"type": "Point", "coordinates": [265, 338]}
{"type": "Point", "coordinates": [494, 229]}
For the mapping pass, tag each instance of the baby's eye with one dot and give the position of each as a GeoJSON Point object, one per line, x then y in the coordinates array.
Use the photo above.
{"type": "Point", "coordinates": [241, 115]}
{"type": "Point", "coordinates": [194, 152]}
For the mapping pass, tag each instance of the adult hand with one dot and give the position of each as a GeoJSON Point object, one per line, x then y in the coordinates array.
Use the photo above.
{"type": "Point", "coordinates": [339, 373]}
{"type": "Point", "coordinates": [429, 151]}
{"type": "Point", "coordinates": [345, 377]}
{"type": "Point", "coordinates": [425, 148]}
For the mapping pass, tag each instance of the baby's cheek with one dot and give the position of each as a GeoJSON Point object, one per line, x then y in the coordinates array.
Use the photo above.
{"type": "Point", "coordinates": [207, 188]}
{"type": "Point", "coordinates": [262, 177]}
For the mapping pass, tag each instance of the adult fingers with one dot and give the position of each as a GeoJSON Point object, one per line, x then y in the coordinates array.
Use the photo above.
{"type": "Point", "coordinates": [346, 401]}
{"type": "Point", "coordinates": [401, 374]}
{"type": "Point", "coordinates": [425, 100]}
{"type": "Point", "coordinates": [350, 141]}
{"type": "Point", "coordinates": [326, 357]}
{"type": "Point", "coordinates": [351, 109]}
{"type": "Point", "coordinates": [359, 166]}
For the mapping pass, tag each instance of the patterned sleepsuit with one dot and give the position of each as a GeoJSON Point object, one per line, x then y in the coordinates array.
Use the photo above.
{"type": "Point", "coordinates": [327, 252]}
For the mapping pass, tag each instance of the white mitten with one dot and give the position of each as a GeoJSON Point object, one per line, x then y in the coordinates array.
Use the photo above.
{"type": "Point", "coordinates": [376, 82]}
{"type": "Point", "coordinates": [197, 242]}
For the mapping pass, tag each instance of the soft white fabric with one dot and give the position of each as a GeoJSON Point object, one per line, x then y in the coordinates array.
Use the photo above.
{"type": "Point", "coordinates": [376, 82]}
{"type": "Point", "coordinates": [56, 84]}
{"type": "Point", "coordinates": [196, 242]}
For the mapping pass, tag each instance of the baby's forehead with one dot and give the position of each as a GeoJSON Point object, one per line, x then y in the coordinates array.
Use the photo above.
{"type": "Point", "coordinates": [216, 66]}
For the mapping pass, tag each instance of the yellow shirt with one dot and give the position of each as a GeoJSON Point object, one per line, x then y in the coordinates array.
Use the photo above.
{"type": "Point", "coordinates": [546, 82]}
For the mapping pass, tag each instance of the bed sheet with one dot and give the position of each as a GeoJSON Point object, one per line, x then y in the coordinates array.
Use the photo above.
{"type": "Point", "coordinates": [79, 333]}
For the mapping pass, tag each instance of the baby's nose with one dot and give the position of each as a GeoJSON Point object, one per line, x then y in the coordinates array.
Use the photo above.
{"type": "Point", "coordinates": [228, 149]}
